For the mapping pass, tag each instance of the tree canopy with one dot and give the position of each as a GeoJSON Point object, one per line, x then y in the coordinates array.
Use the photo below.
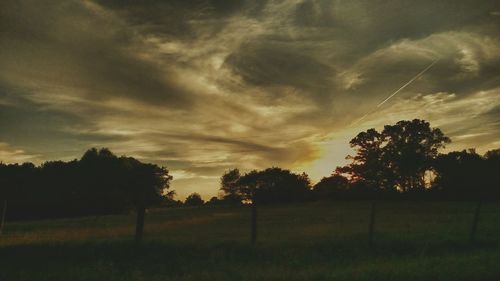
{"type": "Point", "coordinates": [396, 158]}
{"type": "Point", "coordinates": [468, 175]}
{"type": "Point", "coordinates": [194, 199]}
{"type": "Point", "coordinates": [231, 191]}
{"type": "Point", "coordinates": [98, 183]}
{"type": "Point", "coordinates": [272, 185]}
{"type": "Point", "coordinates": [403, 160]}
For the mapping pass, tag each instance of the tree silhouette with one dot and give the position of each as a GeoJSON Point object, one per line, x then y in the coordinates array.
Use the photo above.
{"type": "Point", "coordinates": [410, 150]}
{"type": "Point", "coordinates": [396, 158]}
{"type": "Point", "coordinates": [194, 199]}
{"type": "Point", "coordinates": [274, 185]}
{"type": "Point", "coordinates": [98, 183]}
{"type": "Point", "coordinates": [230, 186]}
{"type": "Point", "coordinates": [333, 187]}
{"type": "Point", "coordinates": [144, 185]}
{"type": "Point", "coordinates": [491, 176]}
{"type": "Point", "coordinates": [367, 165]}
{"type": "Point", "coordinates": [214, 201]}
{"type": "Point", "coordinates": [468, 175]}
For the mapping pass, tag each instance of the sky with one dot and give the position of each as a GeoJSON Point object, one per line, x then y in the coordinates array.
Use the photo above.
{"type": "Point", "coordinates": [204, 86]}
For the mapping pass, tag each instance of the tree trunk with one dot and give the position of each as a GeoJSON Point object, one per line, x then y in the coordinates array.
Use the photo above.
{"type": "Point", "coordinates": [139, 227]}
{"type": "Point", "coordinates": [254, 224]}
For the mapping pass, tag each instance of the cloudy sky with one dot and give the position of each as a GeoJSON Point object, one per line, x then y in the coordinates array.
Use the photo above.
{"type": "Point", "coordinates": [202, 86]}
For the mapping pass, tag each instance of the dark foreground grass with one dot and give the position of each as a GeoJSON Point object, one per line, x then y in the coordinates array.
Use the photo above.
{"type": "Point", "coordinates": [314, 241]}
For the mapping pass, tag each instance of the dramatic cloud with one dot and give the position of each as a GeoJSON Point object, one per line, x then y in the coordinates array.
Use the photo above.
{"type": "Point", "coordinates": [203, 86]}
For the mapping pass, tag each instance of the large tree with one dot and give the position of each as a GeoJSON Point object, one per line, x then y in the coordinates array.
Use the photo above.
{"type": "Point", "coordinates": [366, 166]}
{"type": "Point", "coordinates": [144, 185]}
{"type": "Point", "coordinates": [467, 175]}
{"type": "Point", "coordinates": [396, 158]}
{"type": "Point", "coordinates": [458, 173]}
{"type": "Point", "coordinates": [411, 147]}
{"type": "Point", "coordinates": [274, 185]}
{"type": "Point", "coordinates": [230, 189]}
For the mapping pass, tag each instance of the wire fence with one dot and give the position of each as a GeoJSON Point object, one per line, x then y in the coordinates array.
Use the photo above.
{"type": "Point", "coordinates": [368, 222]}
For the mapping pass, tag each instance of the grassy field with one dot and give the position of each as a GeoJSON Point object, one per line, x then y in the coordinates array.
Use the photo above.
{"type": "Point", "coordinates": [313, 241]}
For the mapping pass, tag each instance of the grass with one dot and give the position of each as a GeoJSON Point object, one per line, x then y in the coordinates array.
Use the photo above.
{"type": "Point", "coordinates": [312, 241]}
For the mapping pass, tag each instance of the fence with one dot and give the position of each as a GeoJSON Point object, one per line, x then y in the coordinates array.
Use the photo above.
{"type": "Point", "coordinates": [372, 216]}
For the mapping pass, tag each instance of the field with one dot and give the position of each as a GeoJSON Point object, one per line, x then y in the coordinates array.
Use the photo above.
{"type": "Point", "coordinates": [311, 241]}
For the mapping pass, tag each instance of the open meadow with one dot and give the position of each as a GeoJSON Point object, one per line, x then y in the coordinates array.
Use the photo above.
{"type": "Point", "coordinates": [307, 241]}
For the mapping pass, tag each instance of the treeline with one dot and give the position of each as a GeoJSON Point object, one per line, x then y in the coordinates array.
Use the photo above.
{"type": "Point", "coordinates": [272, 185]}
{"type": "Point", "coordinates": [98, 183]}
{"type": "Point", "coordinates": [401, 161]}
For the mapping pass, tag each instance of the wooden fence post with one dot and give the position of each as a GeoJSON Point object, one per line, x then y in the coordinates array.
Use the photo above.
{"type": "Point", "coordinates": [371, 227]}
{"type": "Point", "coordinates": [4, 211]}
{"type": "Point", "coordinates": [475, 221]}
{"type": "Point", "coordinates": [253, 234]}
{"type": "Point", "coordinates": [139, 227]}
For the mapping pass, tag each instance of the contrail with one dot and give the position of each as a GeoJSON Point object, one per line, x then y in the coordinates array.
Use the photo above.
{"type": "Point", "coordinates": [363, 117]}
{"type": "Point", "coordinates": [408, 83]}
{"type": "Point", "coordinates": [398, 90]}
